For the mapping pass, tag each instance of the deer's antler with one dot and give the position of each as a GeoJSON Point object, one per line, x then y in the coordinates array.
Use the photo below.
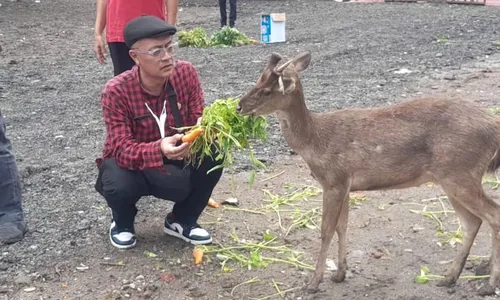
{"type": "Point", "coordinates": [283, 66]}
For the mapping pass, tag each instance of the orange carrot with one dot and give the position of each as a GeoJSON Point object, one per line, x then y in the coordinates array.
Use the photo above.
{"type": "Point", "coordinates": [198, 256]}
{"type": "Point", "coordinates": [192, 135]}
{"type": "Point", "coordinates": [212, 203]}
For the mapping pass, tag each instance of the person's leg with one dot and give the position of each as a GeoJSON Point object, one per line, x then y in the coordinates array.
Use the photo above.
{"type": "Point", "coordinates": [176, 185]}
{"type": "Point", "coordinates": [12, 224]}
{"type": "Point", "coordinates": [232, 13]}
{"type": "Point", "coordinates": [183, 220]}
{"type": "Point", "coordinates": [120, 57]}
{"type": "Point", "coordinates": [203, 184]}
{"type": "Point", "coordinates": [223, 13]}
{"type": "Point", "coordinates": [122, 189]}
{"type": "Point", "coordinates": [173, 184]}
{"type": "Point", "coordinates": [190, 189]}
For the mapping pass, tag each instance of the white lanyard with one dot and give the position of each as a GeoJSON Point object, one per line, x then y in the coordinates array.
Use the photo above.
{"type": "Point", "coordinates": [162, 120]}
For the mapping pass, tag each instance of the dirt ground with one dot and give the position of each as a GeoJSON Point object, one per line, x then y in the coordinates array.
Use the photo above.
{"type": "Point", "coordinates": [49, 93]}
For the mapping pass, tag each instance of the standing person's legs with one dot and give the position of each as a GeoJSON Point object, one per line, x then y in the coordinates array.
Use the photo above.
{"type": "Point", "coordinates": [120, 57]}
{"type": "Point", "coordinates": [232, 13]}
{"type": "Point", "coordinates": [223, 13]}
{"type": "Point", "coordinates": [12, 224]}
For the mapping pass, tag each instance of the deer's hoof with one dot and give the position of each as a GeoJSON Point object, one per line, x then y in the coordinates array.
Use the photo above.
{"type": "Point", "coordinates": [486, 290]}
{"type": "Point", "coordinates": [311, 289]}
{"type": "Point", "coordinates": [448, 281]}
{"type": "Point", "coordinates": [338, 277]}
{"type": "Point", "coordinates": [483, 268]}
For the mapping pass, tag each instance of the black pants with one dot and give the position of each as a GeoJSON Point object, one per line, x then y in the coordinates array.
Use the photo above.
{"type": "Point", "coordinates": [223, 13]}
{"type": "Point", "coordinates": [189, 187]}
{"type": "Point", "coordinates": [120, 57]}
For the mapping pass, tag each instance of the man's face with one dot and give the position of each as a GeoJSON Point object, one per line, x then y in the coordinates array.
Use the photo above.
{"type": "Point", "coordinates": [154, 56]}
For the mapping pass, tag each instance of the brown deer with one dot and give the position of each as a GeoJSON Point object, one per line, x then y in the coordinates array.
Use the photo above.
{"type": "Point", "coordinates": [452, 143]}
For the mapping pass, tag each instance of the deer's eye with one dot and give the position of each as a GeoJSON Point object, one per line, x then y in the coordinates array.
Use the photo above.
{"type": "Point", "coordinates": [266, 92]}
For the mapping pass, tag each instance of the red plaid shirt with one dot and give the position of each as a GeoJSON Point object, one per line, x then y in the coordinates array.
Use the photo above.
{"type": "Point", "coordinates": [133, 137]}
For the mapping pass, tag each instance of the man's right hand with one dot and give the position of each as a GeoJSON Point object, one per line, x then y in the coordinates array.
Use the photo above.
{"type": "Point", "coordinates": [100, 48]}
{"type": "Point", "coordinates": [171, 151]}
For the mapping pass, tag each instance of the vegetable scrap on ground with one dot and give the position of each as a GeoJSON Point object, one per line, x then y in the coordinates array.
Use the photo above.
{"type": "Point", "coordinates": [225, 37]}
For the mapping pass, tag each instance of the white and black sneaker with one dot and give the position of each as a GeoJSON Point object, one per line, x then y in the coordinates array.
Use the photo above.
{"type": "Point", "coordinates": [193, 234]}
{"type": "Point", "coordinates": [121, 238]}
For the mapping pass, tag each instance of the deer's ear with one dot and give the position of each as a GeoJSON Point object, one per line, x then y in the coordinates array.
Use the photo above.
{"type": "Point", "coordinates": [301, 61]}
{"type": "Point", "coordinates": [286, 85]}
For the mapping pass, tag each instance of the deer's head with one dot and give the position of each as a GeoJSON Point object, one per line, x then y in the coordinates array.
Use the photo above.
{"type": "Point", "coordinates": [275, 85]}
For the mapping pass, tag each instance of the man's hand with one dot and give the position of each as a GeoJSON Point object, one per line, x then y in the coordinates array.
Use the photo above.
{"type": "Point", "coordinates": [100, 49]}
{"type": "Point", "coordinates": [171, 151]}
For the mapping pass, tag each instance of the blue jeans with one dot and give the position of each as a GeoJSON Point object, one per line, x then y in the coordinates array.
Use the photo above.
{"type": "Point", "coordinates": [12, 224]}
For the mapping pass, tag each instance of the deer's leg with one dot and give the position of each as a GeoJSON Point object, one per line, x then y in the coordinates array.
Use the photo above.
{"type": "Point", "coordinates": [341, 232]}
{"type": "Point", "coordinates": [489, 288]}
{"type": "Point", "coordinates": [470, 226]}
{"type": "Point", "coordinates": [492, 216]}
{"type": "Point", "coordinates": [333, 199]}
{"type": "Point", "coordinates": [470, 194]}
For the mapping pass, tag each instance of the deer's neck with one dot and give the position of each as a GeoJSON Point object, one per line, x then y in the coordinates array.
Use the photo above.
{"type": "Point", "coordinates": [297, 123]}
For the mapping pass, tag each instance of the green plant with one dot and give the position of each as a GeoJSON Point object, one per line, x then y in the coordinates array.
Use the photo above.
{"type": "Point", "coordinates": [494, 110]}
{"type": "Point", "coordinates": [225, 37]}
{"type": "Point", "coordinates": [228, 36]}
{"type": "Point", "coordinates": [426, 276]}
{"type": "Point", "coordinates": [196, 37]}
{"type": "Point", "coordinates": [441, 38]}
{"type": "Point", "coordinates": [251, 255]}
{"type": "Point", "coordinates": [224, 131]}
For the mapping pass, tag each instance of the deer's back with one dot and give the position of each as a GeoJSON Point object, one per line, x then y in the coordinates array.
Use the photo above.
{"type": "Point", "coordinates": [415, 137]}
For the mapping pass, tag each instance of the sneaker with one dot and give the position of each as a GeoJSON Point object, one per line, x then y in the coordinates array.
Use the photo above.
{"type": "Point", "coordinates": [193, 234]}
{"type": "Point", "coordinates": [121, 238]}
{"type": "Point", "coordinates": [11, 233]}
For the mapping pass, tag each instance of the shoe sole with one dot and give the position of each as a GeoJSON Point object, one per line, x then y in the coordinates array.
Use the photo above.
{"type": "Point", "coordinates": [177, 235]}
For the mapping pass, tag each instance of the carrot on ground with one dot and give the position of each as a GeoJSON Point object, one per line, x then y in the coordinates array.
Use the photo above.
{"type": "Point", "coordinates": [212, 203]}
{"type": "Point", "coordinates": [192, 135]}
{"type": "Point", "coordinates": [198, 256]}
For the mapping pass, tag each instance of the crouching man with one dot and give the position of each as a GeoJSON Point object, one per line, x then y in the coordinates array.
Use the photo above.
{"type": "Point", "coordinates": [143, 155]}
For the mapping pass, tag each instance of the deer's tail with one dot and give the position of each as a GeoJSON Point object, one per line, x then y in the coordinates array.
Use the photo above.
{"type": "Point", "coordinates": [495, 160]}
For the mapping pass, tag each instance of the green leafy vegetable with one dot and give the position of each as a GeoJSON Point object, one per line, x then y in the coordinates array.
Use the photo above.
{"type": "Point", "coordinates": [224, 131]}
{"type": "Point", "coordinates": [225, 37]}
{"type": "Point", "coordinates": [193, 38]}
{"type": "Point", "coordinates": [228, 36]}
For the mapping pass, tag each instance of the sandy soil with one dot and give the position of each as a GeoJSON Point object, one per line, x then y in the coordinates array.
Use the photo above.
{"type": "Point", "coordinates": [49, 92]}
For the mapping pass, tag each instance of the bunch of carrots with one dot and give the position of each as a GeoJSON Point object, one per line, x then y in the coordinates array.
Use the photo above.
{"type": "Point", "coordinates": [221, 132]}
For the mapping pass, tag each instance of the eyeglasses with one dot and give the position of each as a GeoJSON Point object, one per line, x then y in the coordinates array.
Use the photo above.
{"type": "Point", "coordinates": [159, 52]}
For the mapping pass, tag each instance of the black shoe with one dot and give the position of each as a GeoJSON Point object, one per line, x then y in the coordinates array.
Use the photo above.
{"type": "Point", "coordinates": [193, 234]}
{"type": "Point", "coordinates": [121, 238]}
{"type": "Point", "coordinates": [12, 232]}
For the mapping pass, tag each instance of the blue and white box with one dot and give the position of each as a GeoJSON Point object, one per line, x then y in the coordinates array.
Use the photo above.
{"type": "Point", "coordinates": [272, 28]}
